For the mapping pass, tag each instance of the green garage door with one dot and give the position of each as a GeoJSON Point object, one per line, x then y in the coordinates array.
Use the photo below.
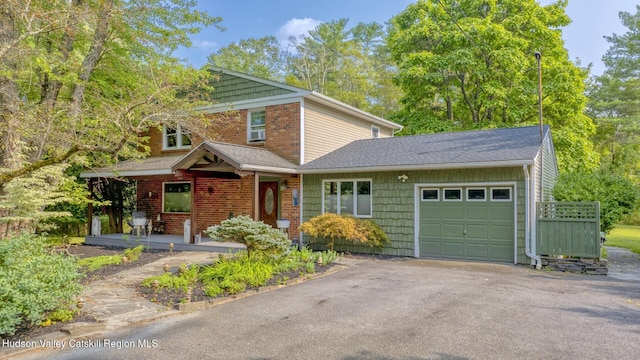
{"type": "Point", "coordinates": [472, 223]}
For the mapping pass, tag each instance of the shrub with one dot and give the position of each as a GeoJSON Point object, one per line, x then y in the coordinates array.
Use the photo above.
{"type": "Point", "coordinates": [334, 226]}
{"type": "Point", "coordinates": [34, 282]}
{"type": "Point", "coordinates": [617, 195]}
{"type": "Point", "coordinates": [255, 235]}
{"type": "Point", "coordinates": [97, 262]}
{"type": "Point", "coordinates": [181, 281]}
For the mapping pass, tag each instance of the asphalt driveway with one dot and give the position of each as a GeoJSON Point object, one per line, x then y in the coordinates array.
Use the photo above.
{"type": "Point", "coordinates": [403, 309]}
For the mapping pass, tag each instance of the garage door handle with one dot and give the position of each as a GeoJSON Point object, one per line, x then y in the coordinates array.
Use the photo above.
{"type": "Point", "coordinates": [464, 232]}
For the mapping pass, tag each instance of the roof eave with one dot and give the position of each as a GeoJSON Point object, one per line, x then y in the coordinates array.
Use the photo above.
{"type": "Point", "coordinates": [125, 173]}
{"type": "Point", "coordinates": [492, 164]}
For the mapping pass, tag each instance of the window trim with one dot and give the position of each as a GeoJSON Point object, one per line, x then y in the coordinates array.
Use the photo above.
{"type": "Point", "coordinates": [477, 188]}
{"type": "Point", "coordinates": [179, 134]}
{"type": "Point", "coordinates": [373, 130]}
{"type": "Point", "coordinates": [250, 127]}
{"type": "Point", "coordinates": [502, 188]}
{"type": "Point", "coordinates": [355, 198]}
{"type": "Point", "coordinates": [437, 190]}
{"type": "Point", "coordinates": [444, 192]}
{"type": "Point", "coordinates": [163, 197]}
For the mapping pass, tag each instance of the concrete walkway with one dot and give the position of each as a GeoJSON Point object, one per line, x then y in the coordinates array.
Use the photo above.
{"type": "Point", "coordinates": [623, 264]}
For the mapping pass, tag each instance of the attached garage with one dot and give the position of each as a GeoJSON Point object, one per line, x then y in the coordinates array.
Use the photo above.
{"type": "Point", "coordinates": [469, 222]}
{"type": "Point", "coordinates": [465, 195]}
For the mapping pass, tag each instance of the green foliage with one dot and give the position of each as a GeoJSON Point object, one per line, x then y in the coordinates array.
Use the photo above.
{"type": "Point", "coordinates": [33, 282]}
{"type": "Point", "coordinates": [255, 235]}
{"type": "Point", "coordinates": [470, 64]}
{"type": "Point", "coordinates": [132, 254]}
{"type": "Point", "coordinates": [234, 274]}
{"type": "Point", "coordinates": [258, 57]}
{"type": "Point", "coordinates": [335, 226]}
{"type": "Point", "coordinates": [98, 262]}
{"type": "Point", "coordinates": [613, 101]}
{"type": "Point", "coordinates": [616, 194]}
{"type": "Point", "coordinates": [182, 281]}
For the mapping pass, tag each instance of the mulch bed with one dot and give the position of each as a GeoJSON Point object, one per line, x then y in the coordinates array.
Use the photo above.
{"type": "Point", "coordinates": [171, 297]}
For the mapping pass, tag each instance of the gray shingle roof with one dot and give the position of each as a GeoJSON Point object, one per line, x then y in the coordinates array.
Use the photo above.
{"type": "Point", "coordinates": [481, 148]}
{"type": "Point", "coordinates": [154, 165]}
{"type": "Point", "coordinates": [241, 157]}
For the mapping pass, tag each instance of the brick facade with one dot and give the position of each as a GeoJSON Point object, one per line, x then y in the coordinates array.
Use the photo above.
{"type": "Point", "coordinates": [215, 200]}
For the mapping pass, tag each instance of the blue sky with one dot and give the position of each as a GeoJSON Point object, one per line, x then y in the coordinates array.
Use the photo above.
{"type": "Point", "coordinates": [243, 19]}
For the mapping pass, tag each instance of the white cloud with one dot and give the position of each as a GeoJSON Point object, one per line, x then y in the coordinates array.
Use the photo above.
{"type": "Point", "coordinates": [295, 27]}
{"type": "Point", "coordinates": [204, 44]}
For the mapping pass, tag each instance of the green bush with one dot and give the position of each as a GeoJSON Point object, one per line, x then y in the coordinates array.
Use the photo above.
{"type": "Point", "coordinates": [255, 235]}
{"type": "Point", "coordinates": [617, 195]}
{"type": "Point", "coordinates": [33, 282]}
{"type": "Point", "coordinates": [334, 226]}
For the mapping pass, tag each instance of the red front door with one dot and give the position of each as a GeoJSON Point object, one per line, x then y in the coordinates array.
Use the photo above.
{"type": "Point", "coordinates": [269, 202]}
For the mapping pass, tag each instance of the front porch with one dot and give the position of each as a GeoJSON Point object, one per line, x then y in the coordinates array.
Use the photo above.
{"type": "Point", "coordinates": [161, 242]}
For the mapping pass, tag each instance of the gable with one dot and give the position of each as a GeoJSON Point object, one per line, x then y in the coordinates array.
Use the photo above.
{"type": "Point", "coordinates": [230, 88]}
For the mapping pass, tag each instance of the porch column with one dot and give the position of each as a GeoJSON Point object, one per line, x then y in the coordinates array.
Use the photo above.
{"type": "Point", "coordinates": [193, 211]}
{"type": "Point", "coordinates": [256, 196]}
{"type": "Point", "coordinates": [90, 206]}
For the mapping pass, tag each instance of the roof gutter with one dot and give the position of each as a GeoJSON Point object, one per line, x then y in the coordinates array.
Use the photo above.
{"type": "Point", "coordinates": [527, 222]}
{"type": "Point", "coordinates": [513, 163]}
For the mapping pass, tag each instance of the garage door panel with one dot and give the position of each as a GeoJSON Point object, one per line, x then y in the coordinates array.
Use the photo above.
{"type": "Point", "coordinates": [477, 251]}
{"type": "Point", "coordinates": [501, 232]}
{"type": "Point", "coordinates": [477, 212]}
{"type": "Point", "coordinates": [452, 231]}
{"type": "Point", "coordinates": [452, 211]}
{"type": "Point", "coordinates": [501, 252]}
{"type": "Point", "coordinates": [431, 247]}
{"type": "Point", "coordinates": [477, 231]}
{"type": "Point", "coordinates": [453, 249]}
{"type": "Point", "coordinates": [431, 230]}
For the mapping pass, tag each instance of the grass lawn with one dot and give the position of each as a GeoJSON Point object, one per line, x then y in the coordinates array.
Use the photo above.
{"type": "Point", "coordinates": [625, 236]}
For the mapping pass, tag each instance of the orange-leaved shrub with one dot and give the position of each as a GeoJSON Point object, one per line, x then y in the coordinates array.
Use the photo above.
{"type": "Point", "coordinates": [335, 226]}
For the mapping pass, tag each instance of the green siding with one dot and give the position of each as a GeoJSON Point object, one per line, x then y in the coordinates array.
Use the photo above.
{"type": "Point", "coordinates": [231, 88]}
{"type": "Point", "coordinates": [549, 169]}
{"type": "Point", "coordinates": [393, 201]}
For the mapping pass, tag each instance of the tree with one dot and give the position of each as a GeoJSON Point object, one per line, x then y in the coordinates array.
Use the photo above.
{"type": "Point", "coordinates": [258, 57]}
{"type": "Point", "coordinates": [80, 77]}
{"type": "Point", "coordinates": [616, 194]}
{"type": "Point", "coordinates": [82, 80]}
{"type": "Point", "coordinates": [470, 64]}
{"type": "Point", "coordinates": [349, 64]}
{"type": "Point", "coordinates": [614, 101]}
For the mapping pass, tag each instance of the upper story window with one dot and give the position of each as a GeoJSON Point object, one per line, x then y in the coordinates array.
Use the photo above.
{"type": "Point", "coordinates": [375, 132]}
{"type": "Point", "coordinates": [175, 138]}
{"type": "Point", "coordinates": [257, 125]}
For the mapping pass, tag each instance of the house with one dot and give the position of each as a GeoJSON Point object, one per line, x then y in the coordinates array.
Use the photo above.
{"type": "Point", "coordinates": [248, 166]}
{"type": "Point", "coordinates": [290, 153]}
{"type": "Point", "coordinates": [462, 195]}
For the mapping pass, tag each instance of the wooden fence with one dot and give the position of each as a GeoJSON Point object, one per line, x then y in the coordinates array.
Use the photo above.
{"type": "Point", "coordinates": [569, 229]}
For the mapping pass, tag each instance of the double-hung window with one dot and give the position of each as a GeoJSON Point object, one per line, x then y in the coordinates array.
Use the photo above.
{"type": "Point", "coordinates": [351, 197]}
{"type": "Point", "coordinates": [257, 125]}
{"type": "Point", "coordinates": [176, 138]}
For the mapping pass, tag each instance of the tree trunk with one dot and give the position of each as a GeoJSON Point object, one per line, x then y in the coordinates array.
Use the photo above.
{"type": "Point", "coordinates": [93, 56]}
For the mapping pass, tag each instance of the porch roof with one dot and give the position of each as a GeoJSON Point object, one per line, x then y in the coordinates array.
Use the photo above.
{"type": "Point", "coordinates": [155, 165]}
{"type": "Point", "coordinates": [218, 156]}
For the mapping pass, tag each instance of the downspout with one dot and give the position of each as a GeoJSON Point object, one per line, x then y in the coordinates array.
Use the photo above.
{"type": "Point", "coordinates": [527, 222]}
